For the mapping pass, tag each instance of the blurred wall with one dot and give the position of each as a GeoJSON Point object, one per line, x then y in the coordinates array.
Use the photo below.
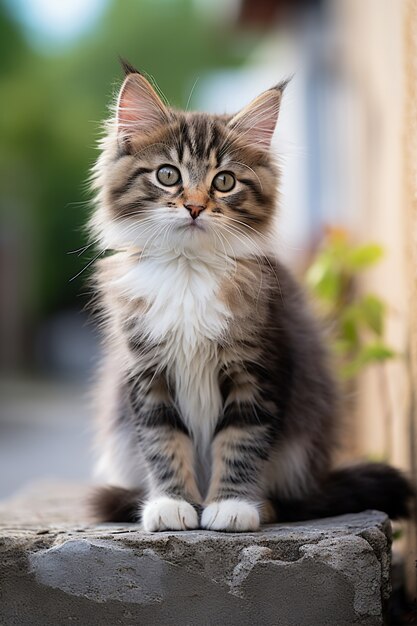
{"type": "Point", "coordinates": [375, 60]}
{"type": "Point", "coordinates": [380, 52]}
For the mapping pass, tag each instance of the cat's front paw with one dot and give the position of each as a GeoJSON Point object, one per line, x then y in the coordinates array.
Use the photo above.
{"type": "Point", "coordinates": [167, 513]}
{"type": "Point", "coordinates": [230, 515]}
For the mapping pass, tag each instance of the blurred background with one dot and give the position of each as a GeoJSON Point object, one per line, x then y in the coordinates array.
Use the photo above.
{"type": "Point", "coordinates": [347, 143]}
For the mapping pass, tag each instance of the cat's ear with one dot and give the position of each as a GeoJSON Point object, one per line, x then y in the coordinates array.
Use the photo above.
{"type": "Point", "coordinates": [139, 108]}
{"type": "Point", "coordinates": [256, 122]}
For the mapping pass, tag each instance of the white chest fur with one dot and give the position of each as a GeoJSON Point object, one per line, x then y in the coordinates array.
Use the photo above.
{"type": "Point", "coordinates": [185, 315]}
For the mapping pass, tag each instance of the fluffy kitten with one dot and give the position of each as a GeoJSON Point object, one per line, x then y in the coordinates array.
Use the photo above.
{"type": "Point", "coordinates": [218, 404]}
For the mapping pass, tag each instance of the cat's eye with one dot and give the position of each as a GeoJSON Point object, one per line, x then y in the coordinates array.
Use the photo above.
{"type": "Point", "coordinates": [168, 175]}
{"type": "Point", "coordinates": [224, 181]}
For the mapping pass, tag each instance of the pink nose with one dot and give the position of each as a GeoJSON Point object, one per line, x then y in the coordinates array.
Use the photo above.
{"type": "Point", "coordinates": [194, 209]}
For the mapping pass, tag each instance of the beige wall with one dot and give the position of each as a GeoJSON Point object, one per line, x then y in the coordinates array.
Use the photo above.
{"type": "Point", "coordinates": [410, 203]}
{"type": "Point", "coordinates": [380, 55]}
{"type": "Point", "coordinates": [374, 53]}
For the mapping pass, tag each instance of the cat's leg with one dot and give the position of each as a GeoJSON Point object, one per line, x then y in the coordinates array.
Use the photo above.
{"type": "Point", "coordinates": [240, 449]}
{"type": "Point", "coordinates": [173, 496]}
{"type": "Point", "coordinates": [168, 451]}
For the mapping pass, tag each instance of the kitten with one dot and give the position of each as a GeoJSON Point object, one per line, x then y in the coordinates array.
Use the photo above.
{"type": "Point", "coordinates": [219, 408]}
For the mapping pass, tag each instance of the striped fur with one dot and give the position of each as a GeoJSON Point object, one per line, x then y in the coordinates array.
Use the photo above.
{"type": "Point", "coordinates": [219, 401]}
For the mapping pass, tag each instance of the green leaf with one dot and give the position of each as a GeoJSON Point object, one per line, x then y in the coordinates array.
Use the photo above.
{"type": "Point", "coordinates": [341, 347]}
{"type": "Point", "coordinates": [372, 311]}
{"type": "Point", "coordinates": [372, 353]}
{"type": "Point", "coordinates": [349, 325]}
{"type": "Point", "coordinates": [324, 280]}
{"type": "Point", "coordinates": [397, 534]}
{"type": "Point", "coordinates": [377, 352]}
{"type": "Point", "coordinates": [317, 270]}
{"type": "Point", "coordinates": [363, 256]}
{"type": "Point", "coordinates": [349, 370]}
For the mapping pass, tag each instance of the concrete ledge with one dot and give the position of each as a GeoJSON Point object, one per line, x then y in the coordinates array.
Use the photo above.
{"type": "Point", "coordinates": [55, 569]}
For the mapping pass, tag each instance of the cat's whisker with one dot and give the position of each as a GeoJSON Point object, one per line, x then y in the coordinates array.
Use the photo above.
{"type": "Point", "coordinates": [86, 266]}
{"type": "Point", "coordinates": [231, 277]}
{"type": "Point", "coordinates": [81, 250]}
{"type": "Point", "coordinates": [227, 255]}
{"type": "Point", "coordinates": [257, 233]}
{"type": "Point", "coordinates": [152, 236]}
{"type": "Point", "coordinates": [78, 203]}
{"type": "Point", "coordinates": [257, 256]}
{"type": "Point", "coordinates": [264, 256]}
{"type": "Point", "coordinates": [251, 169]}
{"type": "Point", "coordinates": [191, 93]}
{"type": "Point", "coordinates": [252, 245]}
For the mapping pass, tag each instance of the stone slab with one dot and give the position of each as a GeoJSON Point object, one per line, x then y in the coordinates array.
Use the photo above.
{"type": "Point", "coordinates": [55, 568]}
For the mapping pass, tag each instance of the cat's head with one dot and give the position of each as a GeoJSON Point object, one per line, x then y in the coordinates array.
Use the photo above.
{"type": "Point", "coordinates": [173, 180]}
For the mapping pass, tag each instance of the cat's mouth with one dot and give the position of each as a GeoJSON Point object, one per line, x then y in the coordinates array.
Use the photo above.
{"type": "Point", "coordinates": [193, 226]}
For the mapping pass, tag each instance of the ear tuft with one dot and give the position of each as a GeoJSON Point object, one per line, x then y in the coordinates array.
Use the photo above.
{"type": "Point", "coordinates": [256, 122]}
{"type": "Point", "coordinates": [127, 67]}
{"type": "Point", "coordinates": [139, 108]}
{"type": "Point", "coordinates": [281, 86]}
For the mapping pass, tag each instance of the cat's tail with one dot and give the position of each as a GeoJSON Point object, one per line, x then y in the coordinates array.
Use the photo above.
{"type": "Point", "coordinates": [352, 490]}
{"type": "Point", "coordinates": [115, 504]}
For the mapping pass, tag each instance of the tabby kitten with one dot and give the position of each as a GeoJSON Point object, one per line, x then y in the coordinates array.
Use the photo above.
{"type": "Point", "coordinates": [218, 404]}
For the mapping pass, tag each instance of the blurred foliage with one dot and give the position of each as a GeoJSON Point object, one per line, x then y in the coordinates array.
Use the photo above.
{"type": "Point", "coordinates": [52, 105]}
{"type": "Point", "coordinates": [356, 320]}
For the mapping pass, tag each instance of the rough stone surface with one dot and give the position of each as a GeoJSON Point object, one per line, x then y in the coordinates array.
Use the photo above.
{"type": "Point", "coordinates": [55, 569]}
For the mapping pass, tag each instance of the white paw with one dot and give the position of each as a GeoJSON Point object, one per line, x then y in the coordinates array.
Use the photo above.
{"type": "Point", "coordinates": [166, 513]}
{"type": "Point", "coordinates": [231, 515]}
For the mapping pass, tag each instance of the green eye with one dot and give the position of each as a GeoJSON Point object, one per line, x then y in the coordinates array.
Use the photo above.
{"type": "Point", "coordinates": [168, 175]}
{"type": "Point", "coordinates": [224, 181]}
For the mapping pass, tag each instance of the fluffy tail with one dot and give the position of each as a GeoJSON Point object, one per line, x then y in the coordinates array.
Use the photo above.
{"type": "Point", "coordinates": [352, 490]}
{"type": "Point", "coordinates": [115, 504]}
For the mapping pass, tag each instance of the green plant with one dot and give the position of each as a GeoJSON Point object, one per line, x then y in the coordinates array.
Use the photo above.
{"type": "Point", "coordinates": [356, 319]}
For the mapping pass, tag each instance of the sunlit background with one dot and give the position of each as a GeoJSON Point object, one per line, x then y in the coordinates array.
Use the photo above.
{"type": "Point", "coordinates": [343, 141]}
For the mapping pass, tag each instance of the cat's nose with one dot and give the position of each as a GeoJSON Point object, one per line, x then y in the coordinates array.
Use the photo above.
{"type": "Point", "coordinates": [194, 209]}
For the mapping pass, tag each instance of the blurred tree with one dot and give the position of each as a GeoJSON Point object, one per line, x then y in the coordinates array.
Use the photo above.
{"type": "Point", "coordinates": [50, 123]}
